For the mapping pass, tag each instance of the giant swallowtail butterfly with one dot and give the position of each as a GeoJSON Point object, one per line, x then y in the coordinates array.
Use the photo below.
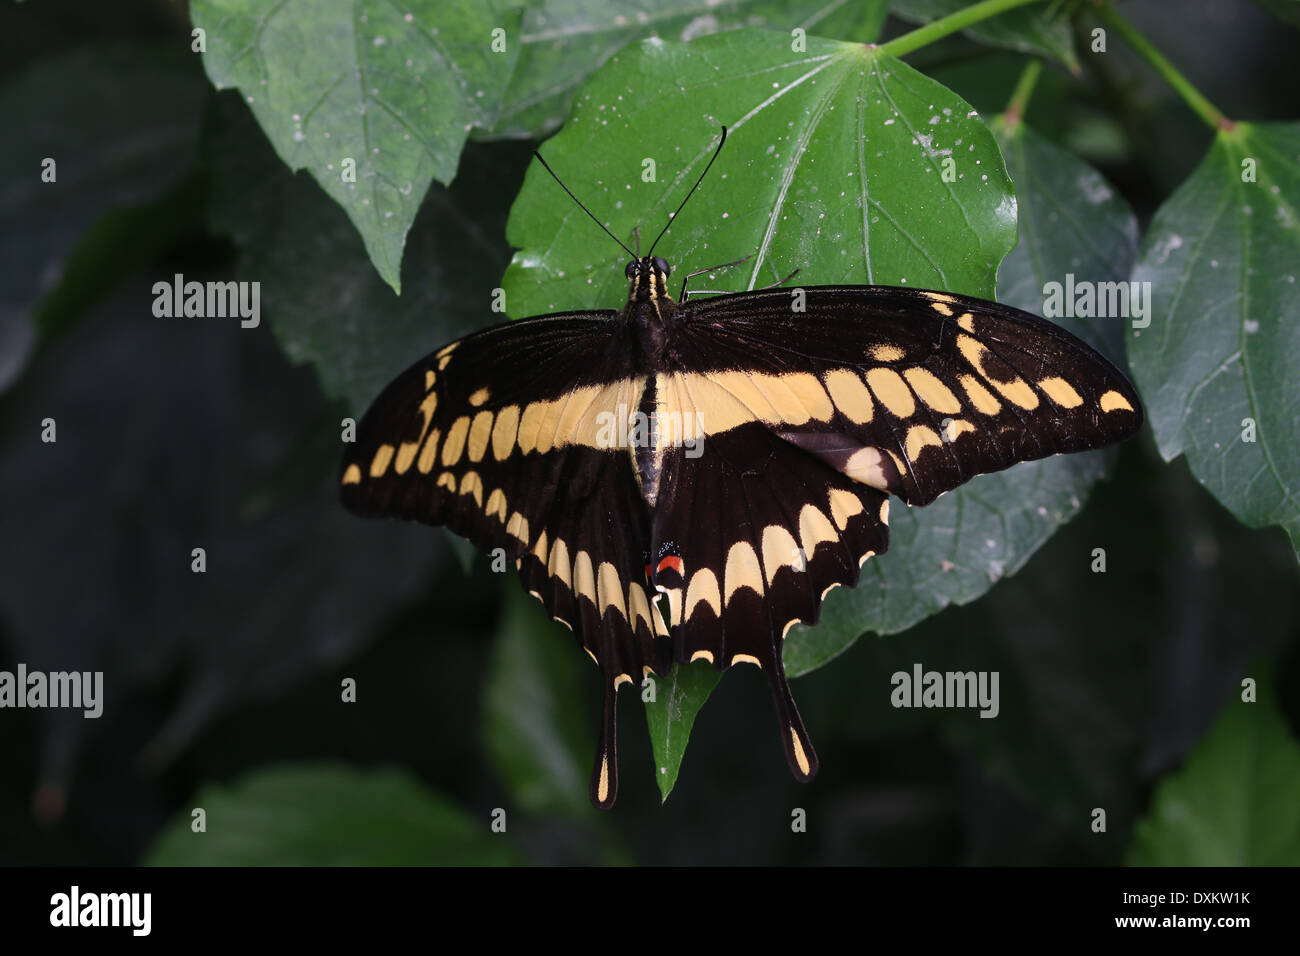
{"type": "Point", "coordinates": [684, 480]}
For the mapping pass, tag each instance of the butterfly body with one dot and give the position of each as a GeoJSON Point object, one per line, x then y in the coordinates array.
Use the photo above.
{"type": "Point", "coordinates": [682, 481]}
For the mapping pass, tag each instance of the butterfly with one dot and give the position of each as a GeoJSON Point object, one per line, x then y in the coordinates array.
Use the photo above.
{"type": "Point", "coordinates": [683, 480]}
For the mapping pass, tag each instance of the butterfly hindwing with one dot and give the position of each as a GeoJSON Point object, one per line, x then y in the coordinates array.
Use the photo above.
{"type": "Point", "coordinates": [748, 538]}
{"type": "Point", "coordinates": [588, 567]}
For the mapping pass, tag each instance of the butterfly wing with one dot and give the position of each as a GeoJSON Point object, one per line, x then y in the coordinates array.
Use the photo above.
{"type": "Point", "coordinates": [749, 538]}
{"type": "Point", "coordinates": [908, 391]}
{"type": "Point", "coordinates": [507, 438]}
{"type": "Point", "coordinates": [808, 420]}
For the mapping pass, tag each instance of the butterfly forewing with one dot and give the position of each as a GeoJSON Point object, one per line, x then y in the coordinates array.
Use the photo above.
{"type": "Point", "coordinates": [907, 391]}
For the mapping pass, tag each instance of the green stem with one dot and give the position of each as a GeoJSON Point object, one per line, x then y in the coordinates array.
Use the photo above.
{"type": "Point", "coordinates": [1191, 96]}
{"type": "Point", "coordinates": [938, 29]}
{"type": "Point", "coordinates": [1020, 96]}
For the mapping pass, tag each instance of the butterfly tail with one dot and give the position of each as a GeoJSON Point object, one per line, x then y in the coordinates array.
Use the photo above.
{"type": "Point", "coordinates": [798, 746]}
{"type": "Point", "coordinates": [604, 776]}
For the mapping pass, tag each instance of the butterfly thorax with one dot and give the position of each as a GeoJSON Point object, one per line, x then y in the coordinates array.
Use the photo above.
{"type": "Point", "coordinates": [653, 314]}
{"type": "Point", "coordinates": [648, 302]}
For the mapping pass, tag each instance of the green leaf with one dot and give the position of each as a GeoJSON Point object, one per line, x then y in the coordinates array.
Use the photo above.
{"type": "Point", "coordinates": [671, 715]}
{"type": "Point", "coordinates": [393, 87]}
{"type": "Point", "coordinates": [329, 815]}
{"type": "Point", "coordinates": [120, 122]}
{"type": "Point", "coordinates": [1288, 11]}
{"type": "Point", "coordinates": [538, 738]}
{"type": "Point", "coordinates": [148, 467]}
{"type": "Point", "coordinates": [1234, 802]}
{"type": "Point", "coordinates": [1039, 29]}
{"type": "Point", "coordinates": [325, 305]}
{"type": "Point", "coordinates": [833, 166]}
{"type": "Point", "coordinates": [118, 243]}
{"type": "Point", "coordinates": [1219, 365]}
{"type": "Point", "coordinates": [565, 41]}
{"type": "Point", "coordinates": [1071, 221]}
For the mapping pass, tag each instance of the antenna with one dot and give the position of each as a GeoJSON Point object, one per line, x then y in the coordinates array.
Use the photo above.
{"type": "Point", "coordinates": [689, 194]}
{"type": "Point", "coordinates": [582, 207]}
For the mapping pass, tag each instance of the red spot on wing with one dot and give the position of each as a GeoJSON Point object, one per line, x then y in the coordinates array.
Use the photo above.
{"type": "Point", "coordinates": [673, 562]}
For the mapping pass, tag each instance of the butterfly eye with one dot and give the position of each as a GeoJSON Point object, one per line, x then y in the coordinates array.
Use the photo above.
{"type": "Point", "coordinates": [661, 265]}
{"type": "Point", "coordinates": [631, 269]}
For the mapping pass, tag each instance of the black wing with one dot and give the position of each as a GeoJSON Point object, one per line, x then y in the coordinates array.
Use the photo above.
{"type": "Point", "coordinates": [505, 437]}
{"type": "Point", "coordinates": [911, 392]}
{"type": "Point", "coordinates": [810, 419]}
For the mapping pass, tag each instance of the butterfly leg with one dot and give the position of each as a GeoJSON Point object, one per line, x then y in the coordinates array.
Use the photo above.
{"type": "Point", "coordinates": [779, 282]}
{"type": "Point", "coordinates": [774, 285]}
{"type": "Point", "coordinates": [699, 272]}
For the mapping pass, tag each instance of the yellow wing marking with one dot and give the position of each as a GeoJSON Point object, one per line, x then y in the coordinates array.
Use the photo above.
{"type": "Point", "coordinates": [455, 443]}
{"type": "Point", "coordinates": [558, 564]}
{"type": "Point", "coordinates": [429, 452]}
{"type": "Point", "coordinates": [932, 391]}
{"type": "Point", "coordinates": [379, 464]}
{"type": "Point", "coordinates": [1113, 401]}
{"type": "Point", "coordinates": [472, 484]}
{"type": "Point", "coordinates": [814, 528]}
{"type": "Point", "coordinates": [479, 433]}
{"type": "Point", "coordinates": [892, 391]}
{"type": "Point", "coordinates": [779, 550]}
{"type": "Point", "coordinates": [844, 505]}
{"type": "Point", "coordinates": [984, 401]}
{"type": "Point", "coordinates": [850, 395]}
{"type": "Point", "coordinates": [609, 590]}
{"type": "Point", "coordinates": [867, 466]}
{"type": "Point", "coordinates": [920, 437]}
{"type": "Point", "coordinates": [703, 587]}
{"type": "Point", "coordinates": [1060, 391]}
{"type": "Point", "coordinates": [503, 432]}
{"type": "Point", "coordinates": [742, 571]}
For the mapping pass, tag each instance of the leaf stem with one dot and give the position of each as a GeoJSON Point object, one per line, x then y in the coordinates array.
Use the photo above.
{"type": "Point", "coordinates": [1020, 96]}
{"type": "Point", "coordinates": [1191, 96]}
{"type": "Point", "coordinates": [938, 29]}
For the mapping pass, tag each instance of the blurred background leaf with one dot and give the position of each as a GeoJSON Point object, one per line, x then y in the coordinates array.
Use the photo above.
{"type": "Point", "coordinates": [330, 815]}
{"type": "Point", "coordinates": [565, 41]}
{"type": "Point", "coordinates": [395, 89]}
{"type": "Point", "coordinates": [323, 301]}
{"type": "Point", "coordinates": [1219, 366]}
{"type": "Point", "coordinates": [144, 470]}
{"type": "Point", "coordinates": [536, 731]}
{"type": "Point", "coordinates": [1041, 29]}
{"type": "Point", "coordinates": [1233, 804]}
{"type": "Point", "coordinates": [1288, 11]}
{"type": "Point", "coordinates": [120, 122]}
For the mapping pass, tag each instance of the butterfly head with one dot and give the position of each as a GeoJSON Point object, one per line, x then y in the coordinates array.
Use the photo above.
{"type": "Point", "coordinates": [647, 278]}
